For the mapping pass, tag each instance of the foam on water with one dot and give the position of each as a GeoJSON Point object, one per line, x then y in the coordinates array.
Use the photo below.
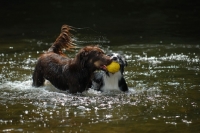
{"type": "Point", "coordinates": [50, 98]}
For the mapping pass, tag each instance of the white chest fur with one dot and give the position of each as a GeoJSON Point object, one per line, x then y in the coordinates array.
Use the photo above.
{"type": "Point", "coordinates": [111, 82]}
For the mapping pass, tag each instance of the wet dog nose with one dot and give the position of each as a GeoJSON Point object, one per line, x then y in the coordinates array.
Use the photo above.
{"type": "Point", "coordinates": [114, 58]}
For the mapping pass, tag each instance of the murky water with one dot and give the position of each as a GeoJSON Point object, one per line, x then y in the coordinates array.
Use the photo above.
{"type": "Point", "coordinates": [163, 80]}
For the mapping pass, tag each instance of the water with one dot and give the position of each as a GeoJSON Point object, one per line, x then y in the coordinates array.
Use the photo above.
{"type": "Point", "coordinates": [159, 39]}
{"type": "Point", "coordinates": [163, 95]}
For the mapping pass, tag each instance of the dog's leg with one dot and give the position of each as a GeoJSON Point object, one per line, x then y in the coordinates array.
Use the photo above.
{"type": "Point", "coordinates": [38, 79]}
{"type": "Point", "coordinates": [122, 85]}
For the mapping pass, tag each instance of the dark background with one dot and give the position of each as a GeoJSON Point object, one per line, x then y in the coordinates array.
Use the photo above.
{"type": "Point", "coordinates": [127, 21]}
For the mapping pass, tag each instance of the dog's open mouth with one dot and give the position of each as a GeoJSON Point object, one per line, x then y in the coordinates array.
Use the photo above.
{"type": "Point", "coordinates": [103, 67]}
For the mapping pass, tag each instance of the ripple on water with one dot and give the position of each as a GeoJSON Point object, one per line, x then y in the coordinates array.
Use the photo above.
{"type": "Point", "coordinates": [158, 94]}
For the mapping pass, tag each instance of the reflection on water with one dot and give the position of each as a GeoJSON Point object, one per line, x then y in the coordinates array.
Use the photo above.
{"type": "Point", "coordinates": [163, 96]}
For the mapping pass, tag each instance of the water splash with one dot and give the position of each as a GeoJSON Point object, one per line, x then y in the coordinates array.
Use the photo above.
{"type": "Point", "coordinates": [159, 92]}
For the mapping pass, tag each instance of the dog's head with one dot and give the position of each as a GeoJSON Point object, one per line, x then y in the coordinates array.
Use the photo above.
{"type": "Point", "coordinates": [118, 58]}
{"type": "Point", "coordinates": [93, 57]}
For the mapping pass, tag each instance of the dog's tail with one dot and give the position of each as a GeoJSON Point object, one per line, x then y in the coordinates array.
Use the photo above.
{"type": "Point", "coordinates": [64, 41]}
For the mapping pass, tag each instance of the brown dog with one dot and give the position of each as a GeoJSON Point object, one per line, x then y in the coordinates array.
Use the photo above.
{"type": "Point", "coordinates": [65, 73]}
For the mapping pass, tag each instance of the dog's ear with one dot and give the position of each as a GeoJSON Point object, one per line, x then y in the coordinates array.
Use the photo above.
{"type": "Point", "coordinates": [85, 54]}
{"type": "Point", "coordinates": [123, 60]}
{"type": "Point", "coordinates": [82, 57]}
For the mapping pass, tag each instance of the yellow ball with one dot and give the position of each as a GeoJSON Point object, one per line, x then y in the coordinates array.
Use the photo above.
{"type": "Point", "coordinates": [113, 67]}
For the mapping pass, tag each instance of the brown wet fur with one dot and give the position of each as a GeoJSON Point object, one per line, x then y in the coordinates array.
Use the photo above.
{"type": "Point", "coordinates": [73, 74]}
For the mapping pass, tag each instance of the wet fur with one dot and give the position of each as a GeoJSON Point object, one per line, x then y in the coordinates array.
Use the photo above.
{"type": "Point", "coordinates": [66, 73]}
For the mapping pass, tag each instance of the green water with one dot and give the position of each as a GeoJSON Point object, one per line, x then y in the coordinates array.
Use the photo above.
{"type": "Point", "coordinates": [163, 95]}
{"type": "Point", "coordinates": [159, 39]}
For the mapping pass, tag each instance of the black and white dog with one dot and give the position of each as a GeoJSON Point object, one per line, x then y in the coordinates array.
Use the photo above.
{"type": "Point", "coordinates": [105, 81]}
